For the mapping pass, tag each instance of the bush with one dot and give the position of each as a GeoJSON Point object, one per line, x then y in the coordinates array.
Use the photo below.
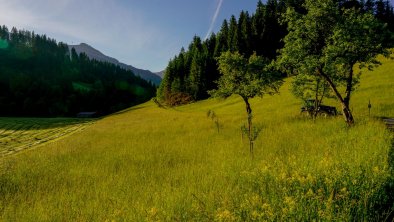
{"type": "Point", "coordinates": [178, 98]}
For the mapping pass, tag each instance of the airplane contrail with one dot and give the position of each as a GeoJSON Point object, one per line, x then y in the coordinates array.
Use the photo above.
{"type": "Point", "coordinates": [215, 16]}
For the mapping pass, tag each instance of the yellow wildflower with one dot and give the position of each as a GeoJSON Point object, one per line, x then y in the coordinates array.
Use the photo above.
{"type": "Point", "coordinates": [289, 201]}
{"type": "Point", "coordinates": [225, 215]}
{"type": "Point", "coordinates": [267, 209]}
{"type": "Point", "coordinates": [310, 193]}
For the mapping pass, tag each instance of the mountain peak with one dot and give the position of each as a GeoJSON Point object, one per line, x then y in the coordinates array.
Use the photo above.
{"type": "Point", "coordinates": [85, 44]}
{"type": "Point", "coordinates": [93, 53]}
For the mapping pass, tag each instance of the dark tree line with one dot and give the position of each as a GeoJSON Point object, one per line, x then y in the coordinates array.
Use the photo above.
{"type": "Point", "coordinates": [40, 77]}
{"type": "Point", "coordinates": [194, 71]}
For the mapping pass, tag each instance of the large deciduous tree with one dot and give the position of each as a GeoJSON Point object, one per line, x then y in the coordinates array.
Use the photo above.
{"type": "Point", "coordinates": [328, 41]}
{"type": "Point", "coordinates": [247, 78]}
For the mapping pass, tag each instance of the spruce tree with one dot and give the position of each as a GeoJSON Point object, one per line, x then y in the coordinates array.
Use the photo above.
{"type": "Point", "coordinates": [232, 41]}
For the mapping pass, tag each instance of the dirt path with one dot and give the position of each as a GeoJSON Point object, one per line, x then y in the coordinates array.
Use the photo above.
{"type": "Point", "coordinates": [389, 123]}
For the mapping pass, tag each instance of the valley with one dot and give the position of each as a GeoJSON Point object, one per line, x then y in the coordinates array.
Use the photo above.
{"type": "Point", "coordinates": [149, 164]}
{"type": "Point", "coordinates": [284, 111]}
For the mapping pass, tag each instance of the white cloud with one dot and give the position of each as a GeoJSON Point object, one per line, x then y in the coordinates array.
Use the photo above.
{"type": "Point", "coordinates": [118, 31]}
{"type": "Point", "coordinates": [99, 22]}
{"type": "Point", "coordinates": [214, 18]}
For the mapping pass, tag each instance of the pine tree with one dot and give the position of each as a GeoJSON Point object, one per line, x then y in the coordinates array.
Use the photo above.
{"type": "Point", "coordinates": [261, 32]}
{"type": "Point", "coordinates": [258, 25]}
{"type": "Point", "coordinates": [244, 34]}
{"type": "Point", "coordinates": [222, 39]}
{"type": "Point", "coordinates": [232, 42]}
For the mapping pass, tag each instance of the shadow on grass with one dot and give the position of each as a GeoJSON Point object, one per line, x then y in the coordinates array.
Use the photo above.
{"type": "Point", "coordinates": [128, 110]}
{"type": "Point", "coordinates": [382, 201]}
{"type": "Point", "coordinates": [25, 124]}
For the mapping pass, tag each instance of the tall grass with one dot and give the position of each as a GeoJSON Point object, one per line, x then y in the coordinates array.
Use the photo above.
{"type": "Point", "coordinates": [151, 164]}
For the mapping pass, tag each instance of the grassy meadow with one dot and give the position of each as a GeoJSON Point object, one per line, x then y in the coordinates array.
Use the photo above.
{"type": "Point", "coordinates": [154, 164]}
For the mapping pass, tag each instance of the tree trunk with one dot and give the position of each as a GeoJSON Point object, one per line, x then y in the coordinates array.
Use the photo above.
{"type": "Point", "coordinates": [248, 109]}
{"type": "Point", "coordinates": [346, 112]}
{"type": "Point", "coordinates": [349, 84]}
{"type": "Point", "coordinates": [345, 106]}
{"type": "Point", "coordinates": [249, 112]}
{"type": "Point", "coordinates": [316, 103]}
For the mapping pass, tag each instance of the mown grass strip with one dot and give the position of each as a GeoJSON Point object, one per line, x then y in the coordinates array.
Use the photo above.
{"type": "Point", "coordinates": [24, 133]}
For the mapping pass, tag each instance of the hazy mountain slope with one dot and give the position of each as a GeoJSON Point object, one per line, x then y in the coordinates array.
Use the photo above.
{"type": "Point", "coordinates": [38, 78]}
{"type": "Point", "coordinates": [161, 74]}
{"type": "Point", "coordinates": [95, 54]}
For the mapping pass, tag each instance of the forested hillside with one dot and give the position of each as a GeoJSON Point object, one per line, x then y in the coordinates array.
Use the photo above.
{"type": "Point", "coordinates": [40, 77]}
{"type": "Point", "coordinates": [194, 71]}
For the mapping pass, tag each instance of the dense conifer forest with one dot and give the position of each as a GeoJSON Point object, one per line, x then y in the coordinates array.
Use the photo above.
{"type": "Point", "coordinates": [40, 77]}
{"type": "Point", "coordinates": [194, 71]}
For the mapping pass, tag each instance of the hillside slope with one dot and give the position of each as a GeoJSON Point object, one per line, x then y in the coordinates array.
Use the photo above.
{"type": "Point", "coordinates": [96, 54]}
{"type": "Point", "coordinates": [149, 163]}
{"type": "Point", "coordinates": [40, 78]}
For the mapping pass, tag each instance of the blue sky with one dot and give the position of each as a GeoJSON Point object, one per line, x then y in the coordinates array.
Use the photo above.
{"type": "Point", "coordinates": [142, 33]}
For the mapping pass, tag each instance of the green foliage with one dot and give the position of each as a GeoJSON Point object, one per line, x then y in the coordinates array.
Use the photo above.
{"type": "Point", "coordinates": [195, 71]}
{"type": "Point", "coordinates": [308, 87]}
{"type": "Point", "coordinates": [357, 38]}
{"type": "Point", "coordinates": [245, 77]}
{"type": "Point", "coordinates": [40, 77]}
{"type": "Point", "coordinates": [3, 44]}
{"type": "Point", "coordinates": [82, 87]}
{"type": "Point", "coordinates": [261, 32]}
{"type": "Point", "coordinates": [327, 42]}
{"type": "Point", "coordinates": [311, 89]}
{"type": "Point", "coordinates": [251, 133]}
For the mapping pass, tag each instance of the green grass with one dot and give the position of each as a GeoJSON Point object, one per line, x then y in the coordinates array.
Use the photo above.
{"type": "Point", "coordinates": [151, 164]}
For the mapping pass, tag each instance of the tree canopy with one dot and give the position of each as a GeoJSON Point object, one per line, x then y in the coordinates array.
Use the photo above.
{"type": "Point", "coordinates": [328, 43]}
{"type": "Point", "coordinates": [248, 78]}
{"type": "Point", "coordinates": [260, 32]}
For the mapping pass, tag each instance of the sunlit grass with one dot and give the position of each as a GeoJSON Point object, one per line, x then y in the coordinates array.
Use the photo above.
{"type": "Point", "coordinates": [149, 164]}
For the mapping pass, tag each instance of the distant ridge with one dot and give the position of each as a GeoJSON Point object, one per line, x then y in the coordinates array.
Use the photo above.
{"type": "Point", "coordinates": [93, 53]}
{"type": "Point", "coordinates": [161, 74]}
